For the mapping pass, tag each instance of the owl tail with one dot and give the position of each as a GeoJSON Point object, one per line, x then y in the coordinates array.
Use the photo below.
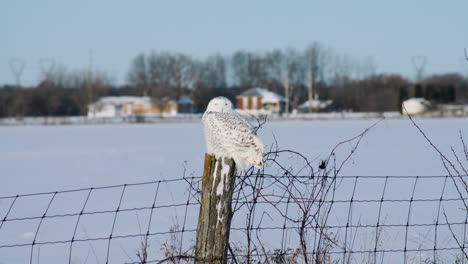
{"type": "Point", "coordinates": [256, 155]}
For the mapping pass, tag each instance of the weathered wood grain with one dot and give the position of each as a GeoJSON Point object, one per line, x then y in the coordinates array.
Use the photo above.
{"type": "Point", "coordinates": [214, 220]}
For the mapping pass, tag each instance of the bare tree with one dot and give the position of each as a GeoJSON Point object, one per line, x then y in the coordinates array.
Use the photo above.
{"type": "Point", "coordinates": [181, 74]}
{"type": "Point", "coordinates": [297, 68]}
{"type": "Point", "coordinates": [250, 69]}
{"type": "Point", "coordinates": [275, 69]}
{"type": "Point", "coordinates": [366, 67]}
{"type": "Point", "coordinates": [310, 76]}
{"type": "Point", "coordinates": [212, 71]}
{"type": "Point", "coordinates": [56, 97]}
{"type": "Point", "coordinates": [138, 75]}
{"type": "Point", "coordinates": [239, 66]}
{"type": "Point", "coordinates": [160, 73]}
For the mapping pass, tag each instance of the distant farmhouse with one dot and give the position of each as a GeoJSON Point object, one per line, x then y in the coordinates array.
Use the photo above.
{"type": "Point", "coordinates": [121, 106]}
{"type": "Point", "coordinates": [260, 101]}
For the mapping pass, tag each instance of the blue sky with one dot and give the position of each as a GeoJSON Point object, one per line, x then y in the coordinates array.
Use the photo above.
{"type": "Point", "coordinates": [116, 31]}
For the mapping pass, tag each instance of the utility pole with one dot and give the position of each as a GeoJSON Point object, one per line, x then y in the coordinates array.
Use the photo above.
{"type": "Point", "coordinates": [286, 90]}
{"type": "Point", "coordinates": [17, 66]}
{"type": "Point", "coordinates": [47, 66]}
{"type": "Point", "coordinates": [90, 78]}
{"type": "Point", "coordinates": [419, 64]}
{"type": "Point", "coordinates": [310, 78]}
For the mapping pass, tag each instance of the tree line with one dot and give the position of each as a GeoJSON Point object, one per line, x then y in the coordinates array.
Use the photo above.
{"type": "Point", "coordinates": [315, 72]}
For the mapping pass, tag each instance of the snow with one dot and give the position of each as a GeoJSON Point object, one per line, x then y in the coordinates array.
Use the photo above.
{"type": "Point", "coordinates": [224, 172]}
{"type": "Point", "coordinates": [48, 158]}
{"type": "Point", "coordinates": [106, 110]}
{"type": "Point", "coordinates": [316, 104]}
{"type": "Point", "coordinates": [268, 97]}
{"type": "Point", "coordinates": [76, 156]}
{"type": "Point", "coordinates": [111, 106]}
{"type": "Point", "coordinates": [119, 100]}
{"type": "Point", "coordinates": [219, 191]}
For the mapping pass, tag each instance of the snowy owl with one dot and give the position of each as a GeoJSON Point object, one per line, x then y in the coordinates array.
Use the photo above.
{"type": "Point", "coordinates": [227, 134]}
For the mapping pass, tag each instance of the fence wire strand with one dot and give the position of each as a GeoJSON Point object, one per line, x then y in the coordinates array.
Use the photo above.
{"type": "Point", "coordinates": [273, 218]}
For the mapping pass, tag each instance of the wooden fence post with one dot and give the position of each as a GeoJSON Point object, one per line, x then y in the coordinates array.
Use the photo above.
{"type": "Point", "coordinates": [214, 220]}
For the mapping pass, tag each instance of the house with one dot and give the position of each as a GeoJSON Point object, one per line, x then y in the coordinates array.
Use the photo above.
{"type": "Point", "coordinates": [258, 101]}
{"type": "Point", "coordinates": [415, 106]}
{"type": "Point", "coordinates": [121, 106]}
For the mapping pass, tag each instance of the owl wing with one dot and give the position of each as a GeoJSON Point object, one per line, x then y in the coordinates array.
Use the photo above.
{"type": "Point", "coordinates": [230, 135]}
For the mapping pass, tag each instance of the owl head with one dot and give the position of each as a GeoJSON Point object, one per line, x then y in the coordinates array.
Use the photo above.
{"type": "Point", "coordinates": [219, 104]}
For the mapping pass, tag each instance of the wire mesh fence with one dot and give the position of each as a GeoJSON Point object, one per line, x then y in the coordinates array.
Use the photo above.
{"type": "Point", "coordinates": [277, 219]}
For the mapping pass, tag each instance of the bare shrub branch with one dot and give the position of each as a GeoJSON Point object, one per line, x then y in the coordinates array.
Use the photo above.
{"type": "Point", "coordinates": [462, 247]}
{"type": "Point", "coordinates": [458, 178]}
{"type": "Point", "coordinates": [302, 185]}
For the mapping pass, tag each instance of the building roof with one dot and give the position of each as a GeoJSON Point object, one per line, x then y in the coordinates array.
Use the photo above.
{"type": "Point", "coordinates": [267, 96]}
{"type": "Point", "coordinates": [184, 100]}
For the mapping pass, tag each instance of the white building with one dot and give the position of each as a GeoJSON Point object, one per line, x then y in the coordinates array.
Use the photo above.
{"type": "Point", "coordinates": [117, 106]}
{"type": "Point", "coordinates": [315, 105]}
{"type": "Point", "coordinates": [415, 106]}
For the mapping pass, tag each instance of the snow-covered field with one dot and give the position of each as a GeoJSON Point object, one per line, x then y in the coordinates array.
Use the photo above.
{"type": "Point", "coordinates": [50, 158]}
{"type": "Point", "coordinates": [45, 158]}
